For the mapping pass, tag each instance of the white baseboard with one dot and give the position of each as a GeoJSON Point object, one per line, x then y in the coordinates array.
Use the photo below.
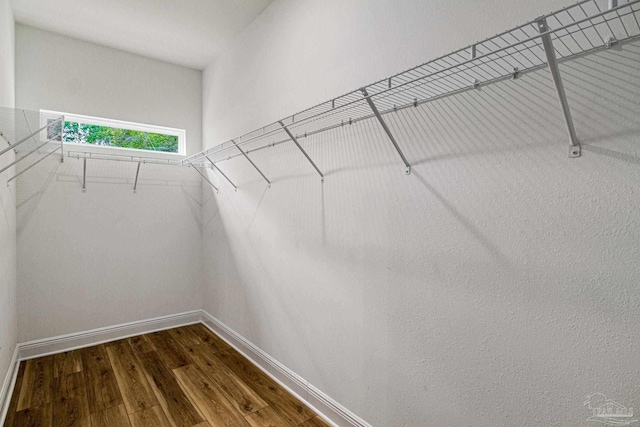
{"type": "Point", "coordinates": [329, 409]}
{"type": "Point", "coordinates": [8, 385]}
{"type": "Point", "coordinates": [321, 403]}
{"type": "Point", "coordinates": [47, 346]}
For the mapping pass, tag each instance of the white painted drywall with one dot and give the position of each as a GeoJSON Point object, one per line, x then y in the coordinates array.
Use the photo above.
{"type": "Point", "coordinates": [59, 73]}
{"type": "Point", "coordinates": [107, 256]}
{"type": "Point", "coordinates": [8, 305]}
{"type": "Point", "coordinates": [495, 286]}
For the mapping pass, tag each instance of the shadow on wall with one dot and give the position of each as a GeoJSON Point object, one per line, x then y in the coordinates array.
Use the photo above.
{"type": "Point", "coordinates": [481, 278]}
{"type": "Point", "coordinates": [35, 183]}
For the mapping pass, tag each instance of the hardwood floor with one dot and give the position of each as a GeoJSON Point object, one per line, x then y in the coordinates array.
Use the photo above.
{"type": "Point", "coordinates": [183, 377]}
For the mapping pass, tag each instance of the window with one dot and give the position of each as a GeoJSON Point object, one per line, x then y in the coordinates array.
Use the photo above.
{"type": "Point", "coordinates": [117, 134]}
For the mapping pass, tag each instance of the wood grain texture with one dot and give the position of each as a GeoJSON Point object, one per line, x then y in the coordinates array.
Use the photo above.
{"type": "Point", "coordinates": [136, 392]}
{"type": "Point", "coordinates": [69, 362]}
{"type": "Point", "coordinates": [70, 404]}
{"type": "Point", "coordinates": [102, 387]}
{"type": "Point", "coordinates": [183, 377]}
{"type": "Point", "coordinates": [243, 397]}
{"type": "Point", "coordinates": [176, 405]}
{"type": "Point", "coordinates": [315, 422]}
{"type": "Point", "coordinates": [116, 416]}
{"type": "Point", "coordinates": [39, 375]}
{"type": "Point", "coordinates": [152, 417]}
{"type": "Point", "coordinates": [267, 417]}
{"type": "Point", "coordinates": [287, 406]}
{"type": "Point", "coordinates": [209, 398]}
{"type": "Point", "coordinates": [216, 343]}
{"type": "Point", "coordinates": [169, 350]}
{"type": "Point", "coordinates": [13, 404]}
{"type": "Point", "coordinates": [34, 417]}
{"type": "Point", "coordinates": [141, 344]}
{"type": "Point", "coordinates": [185, 337]}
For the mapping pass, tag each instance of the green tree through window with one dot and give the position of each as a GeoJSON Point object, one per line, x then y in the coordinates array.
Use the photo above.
{"type": "Point", "coordinates": [81, 133]}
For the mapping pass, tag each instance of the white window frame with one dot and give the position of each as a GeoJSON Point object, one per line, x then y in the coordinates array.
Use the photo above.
{"type": "Point", "coordinates": [121, 124]}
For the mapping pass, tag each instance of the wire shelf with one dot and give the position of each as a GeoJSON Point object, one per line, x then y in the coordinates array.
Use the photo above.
{"type": "Point", "coordinates": [576, 30]}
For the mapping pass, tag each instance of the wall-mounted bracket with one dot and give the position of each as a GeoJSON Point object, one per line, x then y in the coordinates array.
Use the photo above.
{"type": "Point", "coordinates": [295, 141]}
{"type": "Point", "coordinates": [246, 156]}
{"type": "Point", "coordinates": [5, 139]}
{"type": "Point", "coordinates": [610, 41]}
{"type": "Point", "coordinates": [84, 175]}
{"type": "Point", "coordinates": [135, 184]}
{"type": "Point", "coordinates": [575, 149]}
{"type": "Point", "coordinates": [203, 176]}
{"type": "Point", "coordinates": [213, 165]}
{"type": "Point", "coordinates": [62, 139]}
{"type": "Point", "coordinates": [18, 160]}
{"type": "Point", "coordinates": [373, 107]}
{"type": "Point", "coordinates": [31, 135]}
{"type": "Point", "coordinates": [31, 165]}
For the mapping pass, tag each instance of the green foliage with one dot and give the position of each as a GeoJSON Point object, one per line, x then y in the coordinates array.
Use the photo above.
{"type": "Point", "coordinates": [115, 137]}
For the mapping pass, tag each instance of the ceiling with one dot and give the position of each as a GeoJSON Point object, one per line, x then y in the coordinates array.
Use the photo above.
{"type": "Point", "coordinates": [184, 32]}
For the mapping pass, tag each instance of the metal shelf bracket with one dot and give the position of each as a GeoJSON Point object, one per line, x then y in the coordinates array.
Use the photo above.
{"type": "Point", "coordinates": [135, 184]}
{"type": "Point", "coordinates": [407, 170]}
{"type": "Point", "coordinates": [574, 150]}
{"type": "Point", "coordinates": [246, 156]}
{"type": "Point", "coordinates": [204, 177]}
{"type": "Point", "coordinates": [84, 175]}
{"type": "Point", "coordinates": [31, 165]}
{"type": "Point", "coordinates": [213, 165]}
{"type": "Point", "coordinates": [295, 141]}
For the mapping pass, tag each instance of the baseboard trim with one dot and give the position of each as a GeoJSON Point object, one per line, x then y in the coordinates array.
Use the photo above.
{"type": "Point", "coordinates": [319, 401]}
{"type": "Point", "coordinates": [8, 385]}
{"type": "Point", "coordinates": [47, 346]}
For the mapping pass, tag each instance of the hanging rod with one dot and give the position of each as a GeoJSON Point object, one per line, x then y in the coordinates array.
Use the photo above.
{"type": "Point", "coordinates": [125, 158]}
{"type": "Point", "coordinates": [573, 31]}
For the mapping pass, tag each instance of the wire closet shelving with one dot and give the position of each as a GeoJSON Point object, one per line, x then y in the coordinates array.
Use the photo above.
{"type": "Point", "coordinates": [573, 31]}
{"type": "Point", "coordinates": [576, 30]}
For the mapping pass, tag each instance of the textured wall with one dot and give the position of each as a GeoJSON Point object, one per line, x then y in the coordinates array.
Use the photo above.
{"type": "Point", "coordinates": [59, 73]}
{"type": "Point", "coordinates": [495, 286]}
{"type": "Point", "coordinates": [107, 256]}
{"type": "Point", "coordinates": [8, 307]}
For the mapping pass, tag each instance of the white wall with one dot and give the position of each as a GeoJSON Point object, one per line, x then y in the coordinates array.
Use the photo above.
{"type": "Point", "coordinates": [495, 286]}
{"type": "Point", "coordinates": [8, 306]}
{"type": "Point", "coordinates": [107, 256]}
{"type": "Point", "coordinates": [59, 73]}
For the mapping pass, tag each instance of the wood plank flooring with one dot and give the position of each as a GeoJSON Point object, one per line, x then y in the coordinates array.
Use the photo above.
{"type": "Point", "coordinates": [183, 377]}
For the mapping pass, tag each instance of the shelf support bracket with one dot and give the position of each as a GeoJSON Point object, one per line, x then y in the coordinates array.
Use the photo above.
{"type": "Point", "coordinates": [204, 177]}
{"type": "Point", "coordinates": [575, 150]}
{"type": "Point", "coordinates": [5, 139]}
{"type": "Point", "coordinates": [26, 138]}
{"type": "Point", "coordinates": [246, 156]}
{"type": "Point", "coordinates": [84, 175]}
{"type": "Point", "coordinates": [295, 141]}
{"type": "Point", "coordinates": [407, 170]}
{"type": "Point", "coordinates": [222, 173]}
{"type": "Point", "coordinates": [62, 139]}
{"type": "Point", "coordinates": [135, 184]}
{"type": "Point", "coordinates": [31, 165]}
{"type": "Point", "coordinates": [16, 161]}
